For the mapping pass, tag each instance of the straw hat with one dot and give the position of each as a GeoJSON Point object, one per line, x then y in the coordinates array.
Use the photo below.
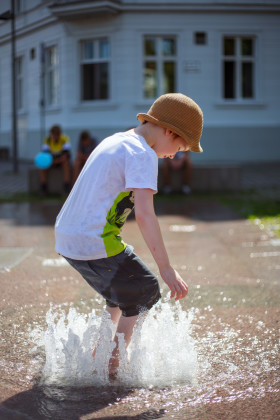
{"type": "Point", "coordinates": [180, 114]}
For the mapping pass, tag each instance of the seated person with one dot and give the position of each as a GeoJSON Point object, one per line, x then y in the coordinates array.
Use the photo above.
{"type": "Point", "coordinates": [58, 144]}
{"type": "Point", "coordinates": [181, 161]}
{"type": "Point", "coordinates": [85, 146]}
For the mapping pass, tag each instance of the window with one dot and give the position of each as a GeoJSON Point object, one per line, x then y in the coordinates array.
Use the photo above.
{"type": "Point", "coordinates": [95, 55]}
{"type": "Point", "coordinates": [159, 65]}
{"type": "Point", "coordinates": [19, 82]}
{"type": "Point", "coordinates": [239, 68]}
{"type": "Point", "coordinates": [200, 38]}
{"type": "Point", "coordinates": [51, 75]}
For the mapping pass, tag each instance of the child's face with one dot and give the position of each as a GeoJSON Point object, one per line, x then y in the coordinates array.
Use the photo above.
{"type": "Point", "coordinates": [55, 135]}
{"type": "Point", "coordinates": [170, 144]}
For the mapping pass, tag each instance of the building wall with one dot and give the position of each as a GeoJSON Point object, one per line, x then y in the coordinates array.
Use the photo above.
{"type": "Point", "coordinates": [232, 132]}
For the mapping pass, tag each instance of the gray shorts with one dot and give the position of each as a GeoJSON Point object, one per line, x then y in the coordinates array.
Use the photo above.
{"type": "Point", "coordinates": [123, 280]}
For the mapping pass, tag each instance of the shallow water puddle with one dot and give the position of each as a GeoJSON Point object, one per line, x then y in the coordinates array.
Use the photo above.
{"type": "Point", "coordinates": [177, 359]}
{"type": "Point", "coordinates": [182, 228]}
{"type": "Point", "coordinates": [265, 254]}
{"type": "Point", "coordinates": [55, 262]}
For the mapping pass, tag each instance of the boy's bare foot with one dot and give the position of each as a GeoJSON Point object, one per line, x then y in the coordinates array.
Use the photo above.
{"type": "Point", "coordinates": [94, 352]}
{"type": "Point", "coordinates": [113, 367]}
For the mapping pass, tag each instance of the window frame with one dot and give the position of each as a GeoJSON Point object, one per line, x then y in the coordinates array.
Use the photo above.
{"type": "Point", "coordinates": [238, 59]}
{"type": "Point", "coordinates": [48, 69]}
{"type": "Point", "coordinates": [96, 60]}
{"type": "Point", "coordinates": [20, 82]}
{"type": "Point", "coordinates": [159, 58]}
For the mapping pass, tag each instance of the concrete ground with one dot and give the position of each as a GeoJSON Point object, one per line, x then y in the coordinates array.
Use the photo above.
{"type": "Point", "coordinates": [232, 267]}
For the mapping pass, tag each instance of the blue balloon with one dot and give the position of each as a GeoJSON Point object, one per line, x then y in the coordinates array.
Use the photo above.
{"type": "Point", "coordinates": [43, 160]}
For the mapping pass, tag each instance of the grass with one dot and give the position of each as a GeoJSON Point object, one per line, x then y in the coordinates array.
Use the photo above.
{"type": "Point", "coordinates": [261, 210]}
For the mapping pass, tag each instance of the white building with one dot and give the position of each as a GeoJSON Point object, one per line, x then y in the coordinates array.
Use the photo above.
{"type": "Point", "coordinates": [95, 64]}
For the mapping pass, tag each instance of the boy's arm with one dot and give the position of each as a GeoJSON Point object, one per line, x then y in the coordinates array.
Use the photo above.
{"type": "Point", "coordinates": [149, 227]}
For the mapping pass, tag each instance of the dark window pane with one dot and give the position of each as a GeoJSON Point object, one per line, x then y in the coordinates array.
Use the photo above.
{"type": "Point", "coordinates": [95, 81]}
{"type": "Point", "coordinates": [229, 46]}
{"type": "Point", "coordinates": [150, 79]}
{"type": "Point", "coordinates": [168, 77]}
{"type": "Point", "coordinates": [103, 81]}
{"type": "Point", "coordinates": [200, 38]}
{"type": "Point", "coordinates": [247, 80]}
{"type": "Point", "coordinates": [150, 46]}
{"type": "Point", "coordinates": [247, 47]}
{"type": "Point", "coordinates": [229, 79]}
{"type": "Point", "coordinates": [168, 46]}
{"type": "Point", "coordinates": [88, 71]}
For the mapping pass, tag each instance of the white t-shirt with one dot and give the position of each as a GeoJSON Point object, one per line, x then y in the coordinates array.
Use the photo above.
{"type": "Point", "coordinates": [89, 223]}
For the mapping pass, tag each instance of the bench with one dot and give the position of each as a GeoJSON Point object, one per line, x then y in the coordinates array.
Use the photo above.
{"type": "Point", "coordinates": [55, 181]}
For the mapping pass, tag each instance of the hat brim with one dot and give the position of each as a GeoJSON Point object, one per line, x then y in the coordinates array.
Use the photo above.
{"type": "Point", "coordinates": [146, 117]}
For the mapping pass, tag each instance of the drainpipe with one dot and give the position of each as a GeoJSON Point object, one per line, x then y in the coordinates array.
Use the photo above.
{"type": "Point", "coordinates": [42, 93]}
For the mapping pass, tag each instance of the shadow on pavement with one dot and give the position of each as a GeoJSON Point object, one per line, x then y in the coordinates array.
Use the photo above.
{"type": "Point", "coordinates": [200, 209]}
{"type": "Point", "coordinates": [44, 213]}
{"type": "Point", "coordinates": [68, 403]}
{"type": "Point", "coordinates": [30, 214]}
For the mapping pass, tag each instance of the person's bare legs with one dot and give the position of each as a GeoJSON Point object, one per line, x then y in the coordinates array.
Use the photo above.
{"type": "Point", "coordinates": [115, 314]}
{"type": "Point", "coordinates": [66, 169]}
{"type": "Point", "coordinates": [125, 326]}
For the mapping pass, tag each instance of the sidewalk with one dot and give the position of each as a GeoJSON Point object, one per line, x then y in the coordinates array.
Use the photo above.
{"type": "Point", "coordinates": [232, 267]}
{"type": "Point", "coordinates": [11, 183]}
{"type": "Point", "coordinates": [260, 177]}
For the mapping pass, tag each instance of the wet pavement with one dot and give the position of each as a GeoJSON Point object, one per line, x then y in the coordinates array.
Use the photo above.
{"type": "Point", "coordinates": [213, 356]}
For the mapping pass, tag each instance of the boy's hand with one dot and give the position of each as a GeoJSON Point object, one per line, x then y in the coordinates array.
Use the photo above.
{"type": "Point", "coordinates": [174, 281]}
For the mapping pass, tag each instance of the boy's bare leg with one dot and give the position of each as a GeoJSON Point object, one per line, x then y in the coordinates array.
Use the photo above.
{"type": "Point", "coordinates": [115, 314]}
{"type": "Point", "coordinates": [125, 326]}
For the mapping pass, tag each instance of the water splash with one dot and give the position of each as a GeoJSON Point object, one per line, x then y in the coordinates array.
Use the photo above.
{"type": "Point", "coordinates": [222, 362]}
{"type": "Point", "coordinates": [161, 351]}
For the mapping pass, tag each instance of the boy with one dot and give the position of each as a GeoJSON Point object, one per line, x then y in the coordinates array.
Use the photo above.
{"type": "Point", "coordinates": [121, 173]}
